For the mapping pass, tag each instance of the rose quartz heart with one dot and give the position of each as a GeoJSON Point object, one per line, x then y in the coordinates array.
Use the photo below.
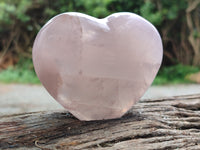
{"type": "Point", "coordinates": [97, 68]}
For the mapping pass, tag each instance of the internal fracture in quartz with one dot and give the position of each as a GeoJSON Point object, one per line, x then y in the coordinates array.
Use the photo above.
{"type": "Point", "coordinates": [97, 68]}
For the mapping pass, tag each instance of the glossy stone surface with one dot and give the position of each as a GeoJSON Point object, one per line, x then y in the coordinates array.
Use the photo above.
{"type": "Point", "coordinates": [97, 68]}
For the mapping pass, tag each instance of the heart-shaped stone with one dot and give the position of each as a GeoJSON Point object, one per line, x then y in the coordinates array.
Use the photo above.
{"type": "Point", "coordinates": [97, 68]}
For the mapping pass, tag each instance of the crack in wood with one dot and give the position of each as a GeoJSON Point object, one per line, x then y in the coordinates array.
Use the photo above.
{"type": "Point", "coordinates": [168, 123]}
{"type": "Point", "coordinates": [194, 107]}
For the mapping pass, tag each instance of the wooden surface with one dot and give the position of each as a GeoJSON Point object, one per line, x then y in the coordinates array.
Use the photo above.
{"type": "Point", "coordinates": [170, 123]}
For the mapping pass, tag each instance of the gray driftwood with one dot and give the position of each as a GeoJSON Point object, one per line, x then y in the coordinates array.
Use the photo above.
{"type": "Point", "coordinates": [170, 123]}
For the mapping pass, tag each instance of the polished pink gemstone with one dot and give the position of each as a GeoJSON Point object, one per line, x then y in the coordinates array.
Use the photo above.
{"type": "Point", "coordinates": [97, 68]}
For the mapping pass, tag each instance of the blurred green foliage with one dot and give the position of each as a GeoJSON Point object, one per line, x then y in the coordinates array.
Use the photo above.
{"type": "Point", "coordinates": [10, 9]}
{"type": "Point", "coordinates": [175, 74]}
{"type": "Point", "coordinates": [20, 21]}
{"type": "Point", "coordinates": [23, 72]}
{"type": "Point", "coordinates": [153, 10]}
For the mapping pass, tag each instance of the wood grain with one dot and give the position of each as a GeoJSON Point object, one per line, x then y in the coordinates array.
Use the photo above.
{"type": "Point", "coordinates": [169, 123]}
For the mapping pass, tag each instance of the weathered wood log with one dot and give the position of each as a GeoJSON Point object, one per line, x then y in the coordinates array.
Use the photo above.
{"type": "Point", "coordinates": [170, 123]}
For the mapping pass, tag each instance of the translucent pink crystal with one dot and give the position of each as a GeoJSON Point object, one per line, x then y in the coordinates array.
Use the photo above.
{"type": "Point", "coordinates": [97, 68]}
